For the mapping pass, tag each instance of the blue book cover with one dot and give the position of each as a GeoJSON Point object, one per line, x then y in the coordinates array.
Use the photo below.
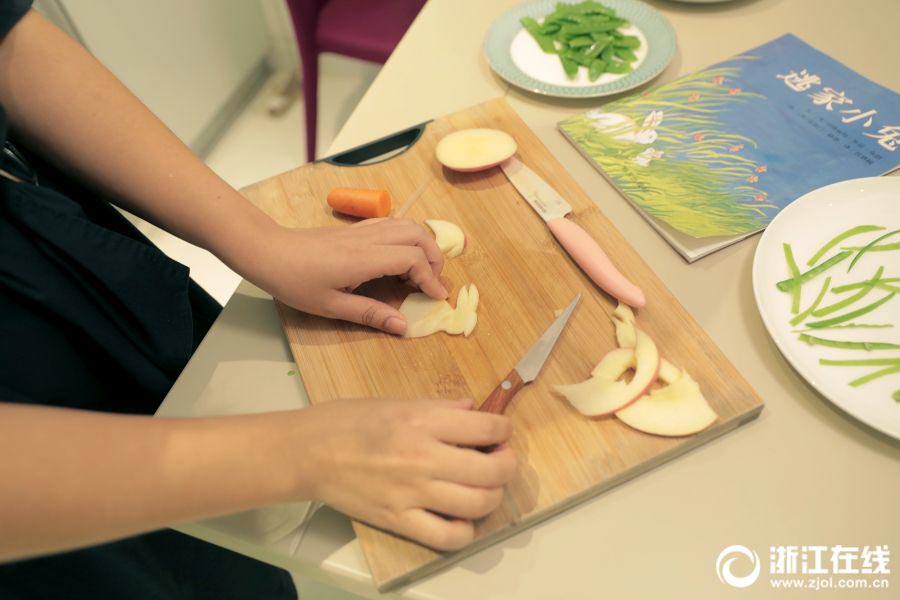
{"type": "Point", "coordinates": [713, 156]}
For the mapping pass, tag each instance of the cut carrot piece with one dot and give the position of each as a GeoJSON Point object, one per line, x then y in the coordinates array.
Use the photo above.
{"type": "Point", "coordinates": [360, 202]}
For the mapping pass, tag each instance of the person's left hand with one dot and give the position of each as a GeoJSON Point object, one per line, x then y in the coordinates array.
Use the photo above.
{"type": "Point", "coordinates": [315, 270]}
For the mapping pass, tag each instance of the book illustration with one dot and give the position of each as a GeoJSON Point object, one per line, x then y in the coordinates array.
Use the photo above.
{"type": "Point", "coordinates": [721, 151]}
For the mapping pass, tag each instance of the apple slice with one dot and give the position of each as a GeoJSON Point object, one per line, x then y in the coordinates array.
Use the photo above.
{"type": "Point", "coordinates": [676, 409]}
{"type": "Point", "coordinates": [604, 393]}
{"type": "Point", "coordinates": [623, 318]}
{"type": "Point", "coordinates": [425, 315]}
{"type": "Point", "coordinates": [470, 150]}
{"type": "Point", "coordinates": [448, 236]}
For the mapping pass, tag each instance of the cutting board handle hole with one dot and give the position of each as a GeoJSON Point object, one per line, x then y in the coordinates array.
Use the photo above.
{"type": "Point", "coordinates": [379, 150]}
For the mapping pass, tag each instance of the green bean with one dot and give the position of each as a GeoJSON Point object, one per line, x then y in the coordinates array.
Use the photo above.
{"type": "Point", "coordinates": [840, 238]}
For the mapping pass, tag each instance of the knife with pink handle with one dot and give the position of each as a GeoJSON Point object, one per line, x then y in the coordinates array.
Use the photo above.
{"type": "Point", "coordinates": [583, 249]}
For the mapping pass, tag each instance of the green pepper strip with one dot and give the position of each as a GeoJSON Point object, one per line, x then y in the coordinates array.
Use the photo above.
{"type": "Point", "coordinates": [785, 285]}
{"type": "Point", "coordinates": [871, 283]}
{"type": "Point", "coordinates": [861, 362]}
{"type": "Point", "coordinates": [874, 375]}
{"type": "Point", "coordinates": [882, 284]}
{"type": "Point", "coordinates": [879, 248]}
{"type": "Point", "coordinates": [869, 245]}
{"type": "Point", "coordinates": [795, 277]}
{"type": "Point", "coordinates": [840, 238]}
{"type": "Point", "coordinates": [817, 341]}
{"type": "Point", "coordinates": [799, 318]}
{"type": "Point", "coordinates": [850, 315]}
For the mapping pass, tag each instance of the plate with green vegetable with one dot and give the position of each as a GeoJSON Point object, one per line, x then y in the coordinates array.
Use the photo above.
{"type": "Point", "coordinates": [580, 49]}
{"type": "Point", "coordinates": [827, 282]}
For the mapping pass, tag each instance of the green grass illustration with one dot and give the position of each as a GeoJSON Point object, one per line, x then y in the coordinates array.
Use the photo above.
{"type": "Point", "coordinates": [703, 185]}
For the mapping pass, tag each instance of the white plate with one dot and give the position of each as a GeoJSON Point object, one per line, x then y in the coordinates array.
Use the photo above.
{"type": "Point", "coordinates": [807, 224]}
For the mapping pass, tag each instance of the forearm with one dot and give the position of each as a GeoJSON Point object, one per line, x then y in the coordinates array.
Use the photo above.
{"type": "Point", "coordinates": [73, 478]}
{"type": "Point", "coordinates": [63, 101]}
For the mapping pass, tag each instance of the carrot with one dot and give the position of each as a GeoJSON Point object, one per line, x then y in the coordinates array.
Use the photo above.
{"type": "Point", "coordinates": [360, 202]}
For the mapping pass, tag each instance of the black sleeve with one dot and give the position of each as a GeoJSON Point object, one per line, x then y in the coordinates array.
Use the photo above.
{"type": "Point", "coordinates": [10, 13]}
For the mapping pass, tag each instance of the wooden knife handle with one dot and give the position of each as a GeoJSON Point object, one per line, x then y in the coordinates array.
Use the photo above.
{"type": "Point", "coordinates": [502, 394]}
{"type": "Point", "coordinates": [497, 401]}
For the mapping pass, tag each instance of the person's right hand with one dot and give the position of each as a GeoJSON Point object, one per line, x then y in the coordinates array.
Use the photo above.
{"type": "Point", "coordinates": [406, 466]}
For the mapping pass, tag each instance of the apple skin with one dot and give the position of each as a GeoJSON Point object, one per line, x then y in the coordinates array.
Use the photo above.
{"type": "Point", "coordinates": [675, 410]}
{"type": "Point", "coordinates": [478, 168]}
{"type": "Point", "coordinates": [604, 394]}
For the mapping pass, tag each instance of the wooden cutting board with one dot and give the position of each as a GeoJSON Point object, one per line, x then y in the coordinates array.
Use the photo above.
{"type": "Point", "coordinates": [524, 277]}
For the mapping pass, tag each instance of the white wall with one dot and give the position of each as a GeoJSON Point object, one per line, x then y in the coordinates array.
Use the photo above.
{"type": "Point", "coordinates": [183, 58]}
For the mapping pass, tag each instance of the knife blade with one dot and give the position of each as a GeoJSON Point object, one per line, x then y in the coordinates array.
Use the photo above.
{"type": "Point", "coordinates": [583, 249]}
{"type": "Point", "coordinates": [528, 367]}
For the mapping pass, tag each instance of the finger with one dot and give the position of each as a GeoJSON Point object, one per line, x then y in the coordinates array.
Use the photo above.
{"type": "Point", "coordinates": [462, 501]}
{"type": "Point", "coordinates": [410, 233]}
{"type": "Point", "coordinates": [369, 221]}
{"type": "Point", "coordinates": [471, 427]}
{"type": "Point", "coordinates": [421, 274]}
{"type": "Point", "coordinates": [468, 466]}
{"type": "Point", "coordinates": [437, 532]}
{"type": "Point", "coordinates": [365, 311]}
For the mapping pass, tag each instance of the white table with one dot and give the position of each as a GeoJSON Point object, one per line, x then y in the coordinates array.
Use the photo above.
{"type": "Point", "coordinates": [804, 473]}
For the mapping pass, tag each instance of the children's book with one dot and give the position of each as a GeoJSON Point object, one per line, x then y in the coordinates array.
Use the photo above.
{"type": "Point", "coordinates": [712, 157]}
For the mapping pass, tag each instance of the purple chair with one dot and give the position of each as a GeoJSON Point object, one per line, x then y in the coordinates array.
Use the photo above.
{"type": "Point", "coordinates": [365, 29]}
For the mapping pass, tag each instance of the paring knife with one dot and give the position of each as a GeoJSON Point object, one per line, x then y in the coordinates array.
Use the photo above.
{"type": "Point", "coordinates": [583, 249]}
{"type": "Point", "coordinates": [529, 366]}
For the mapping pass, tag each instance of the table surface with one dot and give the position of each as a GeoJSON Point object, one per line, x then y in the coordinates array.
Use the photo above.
{"type": "Point", "coordinates": [804, 473]}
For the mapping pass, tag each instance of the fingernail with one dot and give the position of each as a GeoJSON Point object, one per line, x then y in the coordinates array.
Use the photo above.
{"type": "Point", "coordinates": [395, 325]}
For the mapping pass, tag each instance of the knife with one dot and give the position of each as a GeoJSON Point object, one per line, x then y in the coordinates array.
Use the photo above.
{"type": "Point", "coordinates": [547, 203]}
{"type": "Point", "coordinates": [529, 366]}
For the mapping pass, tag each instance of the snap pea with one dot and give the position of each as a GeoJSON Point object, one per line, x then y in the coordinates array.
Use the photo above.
{"type": "Point", "coordinates": [585, 35]}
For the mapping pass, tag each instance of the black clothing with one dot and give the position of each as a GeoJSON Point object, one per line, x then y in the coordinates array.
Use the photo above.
{"type": "Point", "coordinates": [94, 316]}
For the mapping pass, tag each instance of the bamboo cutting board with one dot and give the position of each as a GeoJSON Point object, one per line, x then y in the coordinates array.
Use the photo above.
{"type": "Point", "coordinates": [523, 277]}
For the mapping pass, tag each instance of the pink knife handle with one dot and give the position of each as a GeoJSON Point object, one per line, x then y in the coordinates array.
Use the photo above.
{"type": "Point", "coordinates": [594, 262]}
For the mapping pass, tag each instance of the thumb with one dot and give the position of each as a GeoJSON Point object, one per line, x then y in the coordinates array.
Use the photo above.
{"type": "Point", "coordinates": [368, 312]}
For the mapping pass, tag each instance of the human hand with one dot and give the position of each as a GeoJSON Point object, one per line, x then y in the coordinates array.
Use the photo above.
{"type": "Point", "coordinates": [406, 466]}
{"type": "Point", "coordinates": [316, 270]}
